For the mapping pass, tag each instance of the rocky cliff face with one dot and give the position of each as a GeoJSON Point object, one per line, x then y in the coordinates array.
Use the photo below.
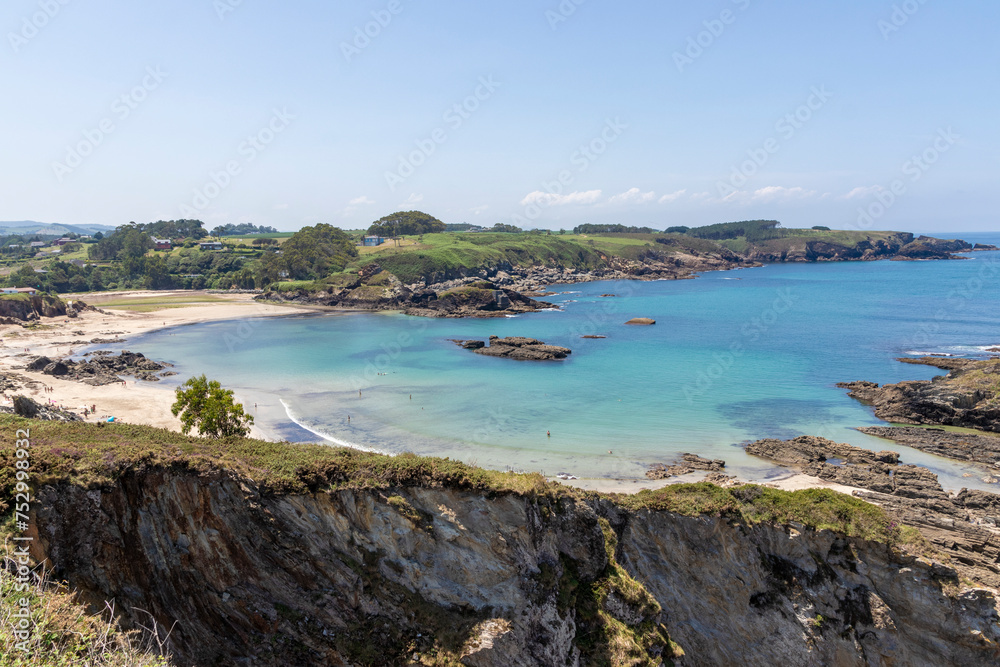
{"type": "Point", "coordinates": [19, 309]}
{"type": "Point", "coordinates": [415, 575]}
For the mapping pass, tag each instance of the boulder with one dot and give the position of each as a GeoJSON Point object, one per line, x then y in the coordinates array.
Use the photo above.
{"type": "Point", "coordinates": [25, 407]}
{"type": "Point", "coordinates": [39, 363]}
{"type": "Point", "coordinates": [641, 321]}
{"type": "Point", "coordinates": [56, 368]}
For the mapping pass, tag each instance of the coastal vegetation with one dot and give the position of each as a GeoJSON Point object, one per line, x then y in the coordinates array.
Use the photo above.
{"type": "Point", "coordinates": [205, 405]}
{"type": "Point", "coordinates": [419, 247]}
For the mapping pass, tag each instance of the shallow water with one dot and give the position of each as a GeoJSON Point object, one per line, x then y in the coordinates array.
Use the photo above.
{"type": "Point", "coordinates": [734, 356]}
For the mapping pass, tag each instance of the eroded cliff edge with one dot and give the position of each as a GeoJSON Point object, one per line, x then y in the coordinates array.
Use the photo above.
{"type": "Point", "coordinates": [264, 558]}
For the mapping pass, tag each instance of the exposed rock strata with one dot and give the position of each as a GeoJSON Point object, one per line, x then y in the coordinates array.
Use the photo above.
{"type": "Point", "coordinates": [356, 576]}
{"type": "Point", "coordinates": [689, 463]}
{"type": "Point", "coordinates": [965, 524]}
{"type": "Point", "coordinates": [968, 396]}
{"type": "Point", "coordinates": [962, 446]}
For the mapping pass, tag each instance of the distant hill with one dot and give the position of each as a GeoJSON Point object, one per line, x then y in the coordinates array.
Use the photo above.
{"type": "Point", "coordinates": [52, 229]}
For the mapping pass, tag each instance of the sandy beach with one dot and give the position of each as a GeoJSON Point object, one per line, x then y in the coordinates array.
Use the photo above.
{"type": "Point", "coordinates": [135, 402]}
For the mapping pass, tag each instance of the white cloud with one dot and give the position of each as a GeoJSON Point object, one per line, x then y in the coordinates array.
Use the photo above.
{"type": "Point", "coordinates": [863, 191]}
{"type": "Point", "coordinates": [414, 198]}
{"type": "Point", "coordinates": [479, 209]}
{"type": "Point", "coordinates": [550, 199]}
{"type": "Point", "coordinates": [780, 193]}
{"type": "Point", "coordinates": [357, 201]}
{"type": "Point", "coordinates": [633, 195]}
{"type": "Point", "coordinates": [770, 194]}
{"type": "Point", "coordinates": [673, 196]}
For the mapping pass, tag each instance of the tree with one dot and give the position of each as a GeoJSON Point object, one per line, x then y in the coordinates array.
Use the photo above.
{"type": "Point", "coordinates": [316, 252]}
{"type": "Point", "coordinates": [204, 404]}
{"type": "Point", "coordinates": [406, 223]}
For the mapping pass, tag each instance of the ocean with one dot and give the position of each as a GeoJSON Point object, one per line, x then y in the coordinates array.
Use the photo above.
{"type": "Point", "coordinates": [734, 356]}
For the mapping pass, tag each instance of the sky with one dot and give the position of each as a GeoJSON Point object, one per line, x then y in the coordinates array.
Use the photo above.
{"type": "Point", "coordinates": [855, 114]}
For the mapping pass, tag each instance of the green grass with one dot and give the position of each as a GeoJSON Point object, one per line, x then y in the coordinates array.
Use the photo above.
{"type": "Point", "coordinates": [451, 251]}
{"type": "Point", "coordinates": [146, 304]}
{"type": "Point", "coordinates": [820, 509]}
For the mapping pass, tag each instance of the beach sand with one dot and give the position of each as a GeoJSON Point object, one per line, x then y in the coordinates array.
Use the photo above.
{"type": "Point", "coordinates": [135, 402]}
{"type": "Point", "coordinates": [793, 482]}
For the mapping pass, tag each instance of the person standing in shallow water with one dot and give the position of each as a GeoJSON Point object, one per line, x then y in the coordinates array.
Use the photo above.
{"type": "Point", "coordinates": [548, 434]}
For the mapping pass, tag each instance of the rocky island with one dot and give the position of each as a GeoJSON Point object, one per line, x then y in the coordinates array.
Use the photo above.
{"type": "Point", "coordinates": [516, 347]}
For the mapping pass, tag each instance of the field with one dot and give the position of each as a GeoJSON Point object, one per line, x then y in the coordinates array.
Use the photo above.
{"type": "Point", "coordinates": [149, 304]}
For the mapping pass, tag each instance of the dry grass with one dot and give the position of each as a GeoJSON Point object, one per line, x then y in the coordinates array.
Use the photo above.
{"type": "Point", "coordinates": [64, 632]}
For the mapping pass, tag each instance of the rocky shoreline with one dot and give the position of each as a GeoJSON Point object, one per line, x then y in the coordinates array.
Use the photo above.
{"type": "Point", "coordinates": [962, 528]}
{"type": "Point", "coordinates": [968, 396]}
{"type": "Point", "coordinates": [102, 368]}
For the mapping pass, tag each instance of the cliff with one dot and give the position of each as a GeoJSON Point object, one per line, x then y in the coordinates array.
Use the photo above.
{"type": "Point", "coordinates": [272, 554]}
{"type": "Point", "coordinates": [22, 308]}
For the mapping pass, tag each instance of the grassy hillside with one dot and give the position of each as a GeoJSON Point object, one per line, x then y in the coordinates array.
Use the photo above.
{"type": "Point", "coordinates": [436, 253]}
{"type": "Point", "coordinates": [418, 257]}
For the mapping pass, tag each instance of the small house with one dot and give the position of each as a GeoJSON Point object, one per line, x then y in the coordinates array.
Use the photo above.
{"type": "Point", "coordinates": [37, 244]}
{"type": "Point", "coordinates": [30, 291]}
{"type": "Point", "coordinates": [373, 241]}
{"type": "Point", "coordinates": [211, 245]}
{"type": "Point", "coordinates": [162, 244]}
{"type": "Point", "coordinates": [62, 241]}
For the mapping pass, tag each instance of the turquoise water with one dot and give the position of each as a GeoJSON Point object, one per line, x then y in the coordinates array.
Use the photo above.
{"type": "Point", "coordinates": [734, 356]}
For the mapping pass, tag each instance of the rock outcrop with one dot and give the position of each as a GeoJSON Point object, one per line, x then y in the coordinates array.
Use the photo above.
{"type": "Point", "coordinates": [689, 463]}
{"type": "Point", "coordinates": [101, 368]}
{"type": "Point", "coordinates": [642, 321]}
{"type": "Point", "coordinates": [24, 309]}
{"type": "Point", "coordinates": [375, 289]}
{"type": "Point", "coordinates": [25, 406]}
{"type": "Point", "coordinates": [965, 526]}
{"type": "Point", "coordinates": [385, 576]}
{"type": "Point", "coordinates": [516, 347]}
{"type": "Point", "coordinates": [968, 396]}
{"type": "Point", "coordinates": [980, 448]}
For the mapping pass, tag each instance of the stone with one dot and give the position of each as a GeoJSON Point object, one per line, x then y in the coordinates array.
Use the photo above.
{"type": "Point", "coordinates": [645, 321]}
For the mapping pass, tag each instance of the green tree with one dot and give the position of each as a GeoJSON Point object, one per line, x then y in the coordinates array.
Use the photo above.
{"type": "Point", "coordinates": [406, 222]}
{"type": "Point", "coordinates": [204, 404]}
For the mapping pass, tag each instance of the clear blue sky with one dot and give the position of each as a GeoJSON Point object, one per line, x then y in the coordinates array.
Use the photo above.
{"type": "Point", "coordinates": [340, 123]}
